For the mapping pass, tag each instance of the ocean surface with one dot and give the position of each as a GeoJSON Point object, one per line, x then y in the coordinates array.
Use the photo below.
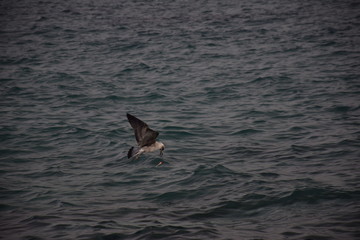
{"type": "Point", "coordinates": [257, 102]}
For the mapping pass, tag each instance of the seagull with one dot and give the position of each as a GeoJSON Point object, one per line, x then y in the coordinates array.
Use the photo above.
{"type": "Point", "coordinates": [145, 137]}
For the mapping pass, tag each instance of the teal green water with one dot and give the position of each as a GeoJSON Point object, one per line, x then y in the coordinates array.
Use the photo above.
{"type": "Point", "coordinates": [257, 103]}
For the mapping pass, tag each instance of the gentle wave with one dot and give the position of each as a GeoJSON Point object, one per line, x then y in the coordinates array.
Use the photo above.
{"type": "Point", "coordinates": [256, 103]}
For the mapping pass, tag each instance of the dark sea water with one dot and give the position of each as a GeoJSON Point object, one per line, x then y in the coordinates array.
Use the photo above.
{"type": "Point", "coordinates": [257, 102]}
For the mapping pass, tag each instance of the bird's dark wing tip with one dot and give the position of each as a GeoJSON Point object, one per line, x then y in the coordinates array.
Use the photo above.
{"type": "Point", "coordinates": [134, 121]}
{"type": "Point", "coordinates": [130, 152]}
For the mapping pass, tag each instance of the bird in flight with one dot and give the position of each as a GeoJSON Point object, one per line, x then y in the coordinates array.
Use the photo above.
{"type": "Point", "coordinates": [145, 137]}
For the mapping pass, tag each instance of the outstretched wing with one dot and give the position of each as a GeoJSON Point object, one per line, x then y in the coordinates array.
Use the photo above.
{"type": "Point", "coordinates": [149, 138]}
{"type": "Point", "coordinates": [143, 134]}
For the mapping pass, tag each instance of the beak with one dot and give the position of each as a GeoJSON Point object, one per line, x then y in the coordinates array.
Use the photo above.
{"type": "Point", "coordinates": [161, 152]}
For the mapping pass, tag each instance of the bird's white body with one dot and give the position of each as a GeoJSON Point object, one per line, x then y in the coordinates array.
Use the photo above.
{"type": "Point", "coordinates": [156, 146]}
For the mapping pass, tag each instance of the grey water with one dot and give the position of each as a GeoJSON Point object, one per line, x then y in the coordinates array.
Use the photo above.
{"type": "Point", "coordinates": [257, 103]}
